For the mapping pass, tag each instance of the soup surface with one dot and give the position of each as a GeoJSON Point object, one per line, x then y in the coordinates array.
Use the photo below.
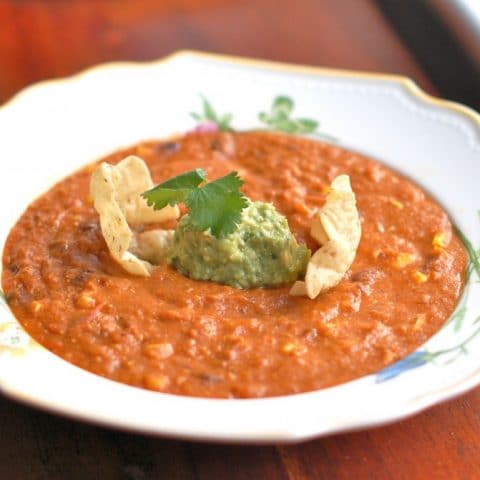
{"type": "Point", "coordinates": [174, 334]}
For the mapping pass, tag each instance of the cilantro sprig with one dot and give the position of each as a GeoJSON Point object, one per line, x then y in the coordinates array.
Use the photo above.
{"type": "Point", "coordinates": [215, 205]}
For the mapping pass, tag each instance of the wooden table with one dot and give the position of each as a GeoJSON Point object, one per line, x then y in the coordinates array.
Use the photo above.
{"type": "Point", "coordinates": [51, 38]}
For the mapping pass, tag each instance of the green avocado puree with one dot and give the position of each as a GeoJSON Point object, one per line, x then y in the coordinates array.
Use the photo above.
{"type": "Point", "coordinates": [261, 252]}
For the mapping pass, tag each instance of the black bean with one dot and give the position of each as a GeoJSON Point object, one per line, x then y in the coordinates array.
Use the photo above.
{"type": "Point", "coordinates": [13, 268]}
{"type": "Point", "coordinates": [368, 275]}
{"type": "Point", "coordinates": [81, 278]}
{"type": "Point", "coordinates": [58, 249]}
{"type": "Point", "coordinates": [216, 145]}
{"type": "Point", "coordinates": [168, 147]}
{"type": "Point", "coordinates": [209, 378]}
{"type": "Point", "coordinates": [88, 226]}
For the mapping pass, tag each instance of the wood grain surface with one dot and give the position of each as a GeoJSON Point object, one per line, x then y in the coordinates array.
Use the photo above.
{"type": "Point", "coordinates": [51, 38]}
{"type": "Point", "coordinates": [43, 39]}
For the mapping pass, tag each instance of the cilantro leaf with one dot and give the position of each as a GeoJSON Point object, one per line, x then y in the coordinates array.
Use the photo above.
{"type": "Point", "coordinates": [218, 205]}
{"type": "Point", "coordinates": [189, 180]}
{"type": "Point", "coordinates": [174, 190]}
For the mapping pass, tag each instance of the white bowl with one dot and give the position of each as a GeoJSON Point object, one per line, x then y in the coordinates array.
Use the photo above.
{"type": "Point", "coordinates": [52, 128]}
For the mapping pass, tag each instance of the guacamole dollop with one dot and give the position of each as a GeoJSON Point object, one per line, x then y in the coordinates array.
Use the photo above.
{"type": "Point", "coordinates": [261, 252]}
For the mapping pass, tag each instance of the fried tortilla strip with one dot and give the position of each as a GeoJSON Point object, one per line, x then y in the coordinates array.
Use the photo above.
{"type": "Point", "coordinates": [131, 178]}
{"type": "Point", "coordinates": [337, 229]}
{"type": "Point", "coordinates": [116, 193]}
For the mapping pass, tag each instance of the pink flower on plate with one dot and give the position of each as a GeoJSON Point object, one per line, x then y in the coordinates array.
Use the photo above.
{"type": "Point", "coordinates": [206, 127]}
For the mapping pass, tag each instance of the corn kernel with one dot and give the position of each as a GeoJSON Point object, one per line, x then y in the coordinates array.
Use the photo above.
{"type": "Point", "coordinates": [156, 381]}
{"type": "Point", "coordinates": [143, 150]}
{"type": "Point", "coordinates": [420, 277]}
{"type": "Point", "coordinates": [86, 301]}
{"type": "Point", "coordinates": [294, 348]}
{"type": "Point", "coordinates": [440, 241]}
{"type": "Point", "coordinates": [388, 356]}
{"type": "Point", "coordinates": [419, 321]}
{"type": "Point", "coordinates": [396, 203]}
{"type": "Point", "coordinates": [36, 306]}
{"type": "Point", "coordinates": [158, 350]}
{"type": "Point", "coordinates": [91, 167]}
{"type": "Point", "coordinates": [404, 259]}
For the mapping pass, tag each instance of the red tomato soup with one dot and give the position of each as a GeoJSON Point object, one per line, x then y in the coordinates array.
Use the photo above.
{"type": "Point", "coordinates": [173, 334]}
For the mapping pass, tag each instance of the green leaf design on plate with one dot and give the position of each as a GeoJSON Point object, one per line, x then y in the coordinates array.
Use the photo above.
{"type": "Point", "coordinates": [460, 348]}
{"type": "Point", "coordinates": [283, 104]}
{"type": "Point", "coordinates": [473, 267]}
{"type": "Point", "coordinates": [209, 116]}
{"type": "Point", "coordinates": [306, 125]}
{"type": "Point", "coordinates": [3, 299]}
{"type": "Point", "coordinates": [279, 118]}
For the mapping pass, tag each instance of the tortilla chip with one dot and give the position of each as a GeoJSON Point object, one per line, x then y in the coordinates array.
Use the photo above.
{"type": "Point", "coordinates": [116, 193]}
{"type": "Point", "coordinates": [337, 229]}
{"type": "Point", "coordinates": [131, 178]}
